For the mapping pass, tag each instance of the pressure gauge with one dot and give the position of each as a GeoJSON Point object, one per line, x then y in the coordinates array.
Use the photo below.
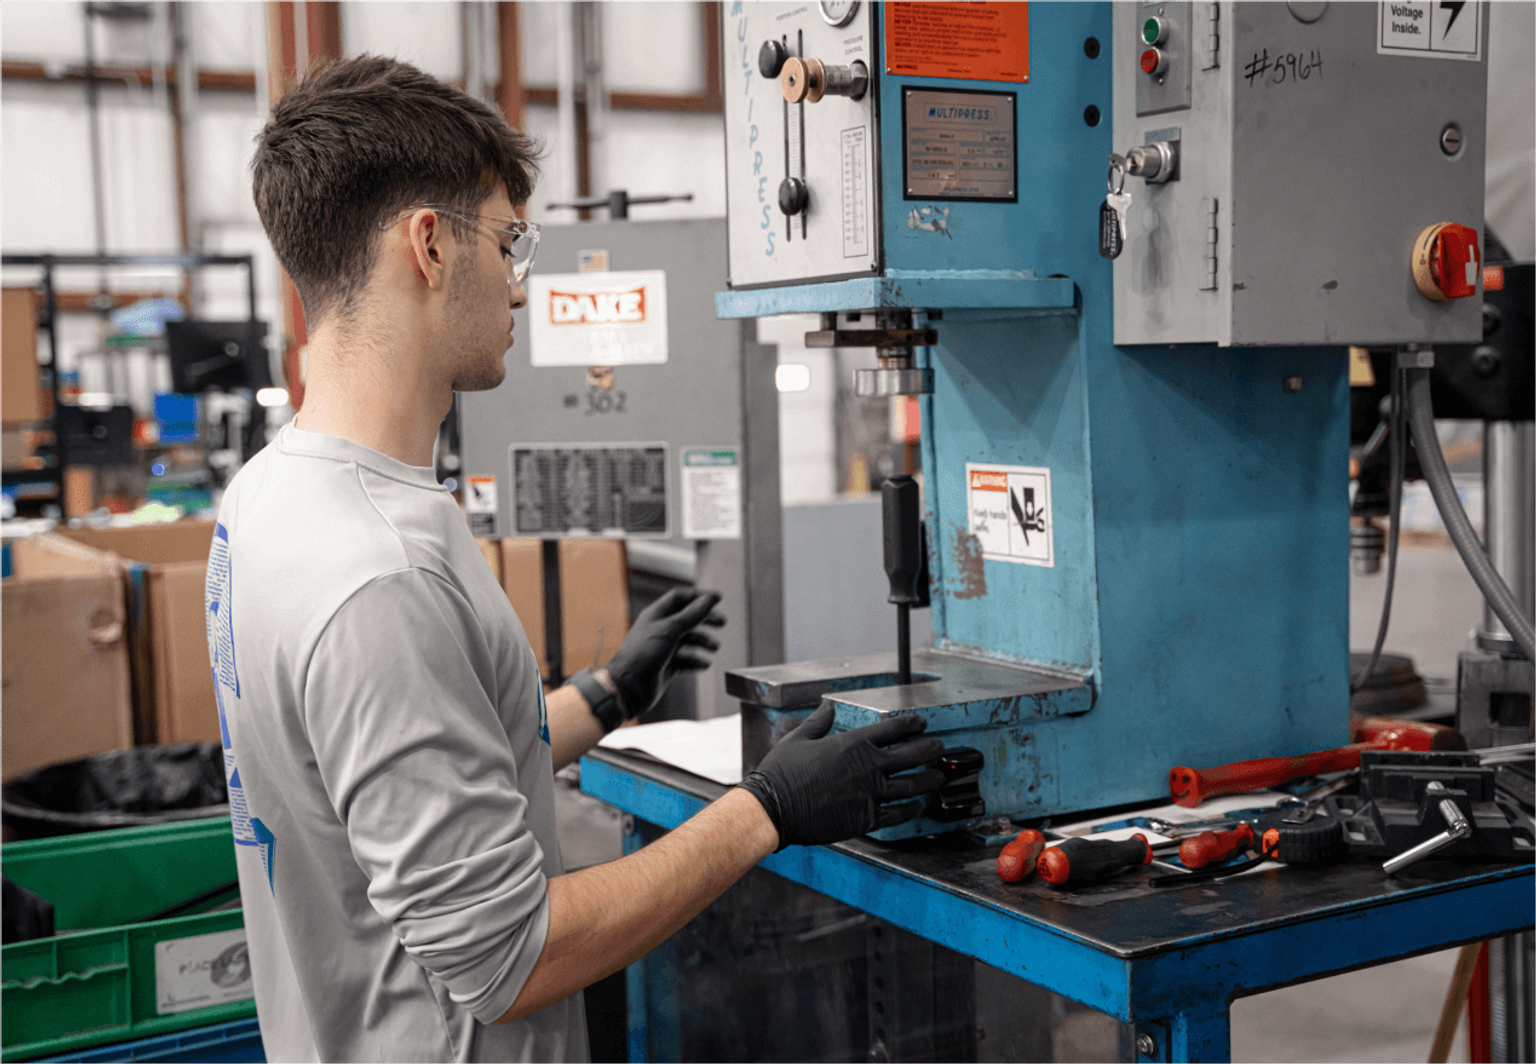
{"type": "Point", "coordinates": [838, 12]}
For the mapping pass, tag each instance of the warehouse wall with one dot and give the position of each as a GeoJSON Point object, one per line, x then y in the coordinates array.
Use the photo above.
{"type": "Point", "coordinates": [45, 183]}
{"type": "Point", "coordinates": [45, 159]}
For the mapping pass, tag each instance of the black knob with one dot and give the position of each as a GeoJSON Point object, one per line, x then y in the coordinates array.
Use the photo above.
{"type": "Point", "coordinates": [959, 798]}
{"type": "Point", "coordinates": [1491, 319]}
{"type": "Point", "coordinates": [792, 195]}
{"type": "Point", "coordinates": [1486, 360]}
{"type": "Point", "coordinates": [770, 58]}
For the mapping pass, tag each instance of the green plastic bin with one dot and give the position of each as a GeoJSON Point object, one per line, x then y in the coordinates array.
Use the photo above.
{"type": "Point", "coordinates": [109, 975]}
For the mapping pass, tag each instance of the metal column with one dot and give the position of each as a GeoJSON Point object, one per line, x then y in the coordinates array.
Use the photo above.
{"type": "Point", "coordinates": [1509, 521]}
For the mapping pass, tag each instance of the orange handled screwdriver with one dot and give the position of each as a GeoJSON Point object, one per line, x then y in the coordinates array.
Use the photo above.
{"type": "Point", "coordinates": [1090, 860]}
{"type": "Point", "coordinates": [1210, 846]}
{"type": "Point", "coordinates": [1018, 857]}
{"type": "Point", "coordinates": [1191, 786]}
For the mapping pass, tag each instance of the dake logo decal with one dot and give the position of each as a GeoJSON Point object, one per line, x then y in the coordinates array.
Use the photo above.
{"type": "Point", "coordinates": [597, 308]}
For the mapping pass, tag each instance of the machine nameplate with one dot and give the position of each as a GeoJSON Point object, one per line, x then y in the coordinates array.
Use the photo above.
{"type": "Point", "coordinates": [578, 489]}
{"type": "Point", "coordinates": [959, 145]}
{"type": "Point", "coordinates": [1010, 513]}
{"type": "Point", "coordinates": [598, 318]}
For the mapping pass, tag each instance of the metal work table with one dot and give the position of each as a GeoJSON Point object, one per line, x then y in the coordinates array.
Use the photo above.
{"type": "Point", "coordinates": [1168, 960]}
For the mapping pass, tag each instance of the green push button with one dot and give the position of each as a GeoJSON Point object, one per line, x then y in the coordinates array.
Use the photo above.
{"type": "Point", "coordinates": [1153, 31]}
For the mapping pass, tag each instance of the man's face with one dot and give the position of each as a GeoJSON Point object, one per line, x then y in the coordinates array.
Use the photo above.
{"type": "Point", "coordinates": [478, 311]}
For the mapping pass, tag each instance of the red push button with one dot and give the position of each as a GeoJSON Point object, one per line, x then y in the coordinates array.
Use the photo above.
{"type": "Point", "coordinates": [1446, 262]}
{"type": "Point", "coordinates": [1153, 62]}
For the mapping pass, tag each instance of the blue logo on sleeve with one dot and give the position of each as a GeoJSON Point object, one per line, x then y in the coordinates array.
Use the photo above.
{"type": "Point", "coordinates": [220, 613]}
{"type": "Point", "coordinates": [268, 845]}
{"type": "Point", "coordinates": [543, 712]}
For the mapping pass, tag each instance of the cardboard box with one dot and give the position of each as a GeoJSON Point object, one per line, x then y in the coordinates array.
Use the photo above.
{"type": "Point", "coordinates": [165, 567]}
{"type": "Point", "coordinates": [491, 548]}
{"type": "Point", "coordinates": [594, 599]}
{"type": "Point", "coordinates": [66, 684]}
{"type": "Point", "coordinates": [21, 397]}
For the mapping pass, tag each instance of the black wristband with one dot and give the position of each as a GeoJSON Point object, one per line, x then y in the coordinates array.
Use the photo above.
{"type": "Point", "coordinates": [602, 697]}
{"type": "Point", "coordinates": [760, 787]}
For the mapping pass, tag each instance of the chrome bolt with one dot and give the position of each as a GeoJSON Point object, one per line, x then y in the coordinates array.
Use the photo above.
{"type": "Point", "coordinates": [1146, 1045]}
{"type": "Point", "coordinates": [1450, 140]}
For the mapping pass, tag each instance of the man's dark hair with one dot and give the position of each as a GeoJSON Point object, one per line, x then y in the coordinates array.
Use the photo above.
{"type": "Point", "coordinates": [359, 140]}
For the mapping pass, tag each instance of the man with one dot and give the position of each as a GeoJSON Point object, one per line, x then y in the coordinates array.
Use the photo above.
{"type": "Point", "coordinates": [389, 749]}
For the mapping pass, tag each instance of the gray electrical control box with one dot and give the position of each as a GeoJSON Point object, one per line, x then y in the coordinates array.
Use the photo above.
{"type": "Point", "coordinates": [631, 411]}
{"type": "Point", "coordinates": [829, 146]}
{"type": "Point", "coordinates": [1315, 143]}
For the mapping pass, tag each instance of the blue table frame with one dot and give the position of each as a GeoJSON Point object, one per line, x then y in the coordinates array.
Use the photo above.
{"type": "Point", "coordinates": [1169, 961]}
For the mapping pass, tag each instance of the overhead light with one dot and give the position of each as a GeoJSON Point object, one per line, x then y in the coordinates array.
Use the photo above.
{"type": "Point", "coordinates": [272, 396]}
{"type": "Point", "coordinates": [792, 377]}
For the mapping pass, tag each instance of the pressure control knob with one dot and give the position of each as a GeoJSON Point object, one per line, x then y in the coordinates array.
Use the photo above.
{"type": "Point", "coordinates": [793, 195]}
{"type": "Point", "coordinates": [808, 80]}
{"type": "Point", "coordinates": [770, 58]}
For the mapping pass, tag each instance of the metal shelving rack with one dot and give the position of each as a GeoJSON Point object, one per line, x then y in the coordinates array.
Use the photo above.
{"type": "Point", "coordinates": [48, 263]}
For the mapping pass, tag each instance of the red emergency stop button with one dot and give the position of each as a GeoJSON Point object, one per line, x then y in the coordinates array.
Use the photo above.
{"type": "Point", "coordinates": [1446, 262]}
{"type": "Point", "coordinates": [1153, 62]}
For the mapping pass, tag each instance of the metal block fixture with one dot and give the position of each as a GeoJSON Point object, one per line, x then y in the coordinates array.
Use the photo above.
{"type": "Point", "coordinates": [1138, 552]}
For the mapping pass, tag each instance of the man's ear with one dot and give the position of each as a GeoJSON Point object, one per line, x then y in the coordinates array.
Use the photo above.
{"type": "Point", "coordinates": [427, 240]}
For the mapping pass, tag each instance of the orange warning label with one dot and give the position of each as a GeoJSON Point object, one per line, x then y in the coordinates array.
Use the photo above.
{"type": "Point", "coordinates": [975, 41]}
{"type": "Point", "coordinates": [987, 481]}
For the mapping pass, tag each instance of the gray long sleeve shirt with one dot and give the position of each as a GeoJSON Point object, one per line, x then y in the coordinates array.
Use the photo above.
{"type": "Point", "coordinates": [391, 786]}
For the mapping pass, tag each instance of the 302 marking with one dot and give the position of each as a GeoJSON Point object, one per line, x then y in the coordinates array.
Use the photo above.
{"type": "Point", "coordinates": [605, 403]}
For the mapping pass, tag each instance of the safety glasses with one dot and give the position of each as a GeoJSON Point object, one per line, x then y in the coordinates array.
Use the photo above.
{"type": "Point", "coordinates": [518, 239]}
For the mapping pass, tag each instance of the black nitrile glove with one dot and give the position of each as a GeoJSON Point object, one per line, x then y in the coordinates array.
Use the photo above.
{"type": "Point", "coordinates": [818, 789]}
{"type": "Point", "coordinates": [664, 641]}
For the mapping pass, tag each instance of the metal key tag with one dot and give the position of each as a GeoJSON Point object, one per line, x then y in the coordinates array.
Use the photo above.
{"type": "Point", "coordinates": [1111, 240]}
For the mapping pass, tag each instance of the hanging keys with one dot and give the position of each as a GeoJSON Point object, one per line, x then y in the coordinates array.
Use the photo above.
{"type": "Point", "coordinates": [1112, 227]}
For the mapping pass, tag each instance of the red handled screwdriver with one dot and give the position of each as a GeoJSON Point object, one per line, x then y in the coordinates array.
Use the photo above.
{"type": "Point", "coordinates": [1090, 860]}
{"type": "Point", "coordinates": [1210, 846]}
{"type": "Point", "coordinates": [1191, 786]}
{"type": "Point", "coordinates": [1018, 857]}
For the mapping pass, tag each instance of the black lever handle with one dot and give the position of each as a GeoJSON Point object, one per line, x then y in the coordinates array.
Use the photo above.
{"type": "Point", "coordinates": [906, 559]}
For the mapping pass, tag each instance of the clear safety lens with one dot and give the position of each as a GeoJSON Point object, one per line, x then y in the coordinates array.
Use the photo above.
{"type": "Point", "coordinates": [524, 243]}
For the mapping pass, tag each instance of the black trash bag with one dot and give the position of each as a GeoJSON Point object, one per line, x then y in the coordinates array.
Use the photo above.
{"type": "Point", "coordinates": [117, 789]}
{"type": "Point", "coordinates": [23, 915]}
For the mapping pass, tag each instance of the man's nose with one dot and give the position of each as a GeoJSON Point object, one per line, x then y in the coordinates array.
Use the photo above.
{"type": "Point", "coordinates": [519, 296]}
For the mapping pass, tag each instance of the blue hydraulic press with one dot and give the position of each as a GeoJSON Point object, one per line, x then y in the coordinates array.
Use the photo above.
{"type": "Point", "coordinates": [1134, 391]}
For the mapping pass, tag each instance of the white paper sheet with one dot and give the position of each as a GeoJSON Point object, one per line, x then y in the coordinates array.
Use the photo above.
{"type": "Point", "coordinates": [708, 748]}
